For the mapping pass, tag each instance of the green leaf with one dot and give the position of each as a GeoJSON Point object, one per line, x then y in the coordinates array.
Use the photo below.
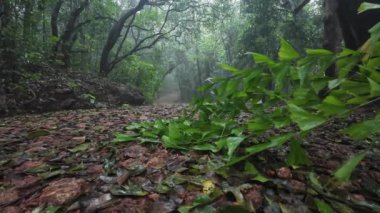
{"type": "Point", "coordinates": [322, 206]}
{"type": "Point", "coordinates": [365, 6]}
{"type": "Point", "coordinates": [331, 105]}
{"type": "Point", "coordinates": [304, 119]}
{"type": "Point", "coordinates": [250, 169]}
{"type": "Point", "coordinates": [335, 83]}
{"type": "Point", "coordinates": [319, 52]}
{"type": "Point", "coordinates": [205, 147]}
{"type": "Point", "coordinates": [129, 190]}
{"type": "Point", "coordinates": [232, 144]}
{"type": "Point", "coordinates": [259, 124]}
{"type": "Point", "coordinates": [262, 59]}
{"type": "Point", "coordinates": [364, 129]}
{"type": "Point", "coordinates": [232, 69]}
{"type": "Point", "coordinates": [124, 138]}
{"type": "Point", "coordinates": [174, 132]}
{"type": "Point", "coordinates": [375, 88]}
{"type": "Point", "coordinates": [287, 52]}
{"type": "Point", "coordinates": [344, 172]}
{"type": "Point", "coordinates": [252, 150]}
{"type": "Point", "coordinates": [297, 155]}
{"type": "Point", "coordinates": [276, 141]}
{"type": "Point", "coordinates": [80, 148]}
{"type": "Point", "coordinates": [375, 35]}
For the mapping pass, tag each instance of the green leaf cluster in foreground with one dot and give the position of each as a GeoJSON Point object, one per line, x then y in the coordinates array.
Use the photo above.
{"type": "Point", "coordinates": [275, 95]}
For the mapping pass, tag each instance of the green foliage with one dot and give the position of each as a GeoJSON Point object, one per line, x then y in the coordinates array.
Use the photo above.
{"type": "Point", "coordinates": [275, 96]}
{"type": "Point", "coordinates": [142, 75]}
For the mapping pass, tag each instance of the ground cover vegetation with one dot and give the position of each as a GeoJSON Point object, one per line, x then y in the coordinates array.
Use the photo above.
{"type": "Point", "coordinates": [279, 122]}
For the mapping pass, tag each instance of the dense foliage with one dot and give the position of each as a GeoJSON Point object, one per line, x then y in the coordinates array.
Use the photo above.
{"type": "Point", "coordinates": [277, 95]}
{"type": "Point", "coordinates": [192, 37]}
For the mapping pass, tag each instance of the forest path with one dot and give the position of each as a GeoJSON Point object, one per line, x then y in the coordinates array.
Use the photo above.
{"type": "Point", "coordinates": [68, 159]}
{"type": "Point", "coordinates": [169, 92]}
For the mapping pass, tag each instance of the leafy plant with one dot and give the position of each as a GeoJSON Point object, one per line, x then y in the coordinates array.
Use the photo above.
{"type": "Point", "coordinates": [277, 95]}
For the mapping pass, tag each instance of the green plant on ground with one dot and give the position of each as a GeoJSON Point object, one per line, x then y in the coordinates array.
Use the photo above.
{"type": "Point", "coordinates": [277, 95]}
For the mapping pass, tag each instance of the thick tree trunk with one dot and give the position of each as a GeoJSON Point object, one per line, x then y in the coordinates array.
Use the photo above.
{"type": "Point", "coordinates": [332, 37]}
{"type": "Point", "coordinates": [114, 35]}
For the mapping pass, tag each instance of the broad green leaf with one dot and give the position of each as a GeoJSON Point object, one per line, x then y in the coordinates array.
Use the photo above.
{"type": "Point", "coordinates": [322, 206]}
{"type": "Point", "coordinates": [365, 6]}
{"type": "Point", "coordinates": [331, 105]}
{"type": "Point", "coordinates": [335, 83]}
{"type": "Point", "coordinates": [364, 129]}
{"type": "Point", "coordinates": [205, 147]}
{"type": "Point", "coordinates": [259, 124]}
{"type": "Point", "coordinates": [263, 59]}
{"type": "Point", "coordinates": [346, 65]}
{"type": "Point", "coordinates": [169, 143]}
{"type": "Point", "coordinates": [287, 52]}
{"type": "Point", "coordinates": [124, 138]}
{"type": "Point", "coordinates": [344, 172]}
{"type": "Point", "coordinates": [375, 35]}
{"type": "Point", "coordinates": [319, 52]}
{"type": "Point", "coordinates": [375, 88]}
{"type": "Point", "coordinates": [252, 150]}
{"type": "Point", "coordinates": [276, 141]}
{"type": "Point", "coordinates": [232, 69]}
{"type": "Point", "coordinates": [174, 131]}
{"type": "Point", "coordinates": [304, 119]}
{"type": "Point", "coordinates": [297, 155]}
{"type": "Point", "coordinates": [80, 148]}
{"type": "Point", "coordinates": [232, 144]}
{"type": "Point", "coordinates": [250, 169]}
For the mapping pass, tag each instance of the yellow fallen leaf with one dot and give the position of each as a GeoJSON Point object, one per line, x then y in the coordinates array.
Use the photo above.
{"type": "Point", "coordinates": [208, 187]}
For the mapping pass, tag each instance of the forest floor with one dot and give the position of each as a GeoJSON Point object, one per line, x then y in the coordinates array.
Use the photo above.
{"type": "Point", "coordinates": [67, 160]}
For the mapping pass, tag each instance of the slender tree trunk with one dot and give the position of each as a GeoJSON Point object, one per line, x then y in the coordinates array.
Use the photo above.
{"type": "Point", "coordinates": [7, 41]}
{"type": "Point", "coordinates": [332, 37]}
{"type": "Point", "coordinates": [68, 37]}
{"type": "Point", "coordinates": [54, 26]}
{"type": "Point", "coordinates": [114, 35]}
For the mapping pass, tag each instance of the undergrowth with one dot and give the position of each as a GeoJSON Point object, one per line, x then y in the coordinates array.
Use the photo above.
{"type": "Point", "coordinates": [279, 94]}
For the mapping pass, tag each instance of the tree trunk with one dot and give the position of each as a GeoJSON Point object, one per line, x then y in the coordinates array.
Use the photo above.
{"type": "Point", "coordinates": [332, 37]}
{"type": "Point", "coordinates": [68, 37]}
{"type": "Point", "coordinates": [54, 25]}
{"type": "Point", "coordinates": [114, 35]}
{"type": "Point", "coordinates": [7, 38]}
{"type": "Point", "coordinates": [62, 48]}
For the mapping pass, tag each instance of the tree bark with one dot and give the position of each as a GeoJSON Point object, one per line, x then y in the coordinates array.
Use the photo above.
{"type": "Point", "coordinates": [62, 48]}
{"type": "Point", "coordinates": [332, 37]}
{"type": "Point", "coordinates": [68, 37]}
{"type": "Point", "coordinates": [7, 38]}
{"type": "Point", "coordinates": [114, 35]}
{"type": "Point", "coordinates": [54, 25]}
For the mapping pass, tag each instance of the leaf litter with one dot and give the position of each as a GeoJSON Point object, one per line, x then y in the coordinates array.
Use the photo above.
{"type": "Point", "coordinates": [72, 161]}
